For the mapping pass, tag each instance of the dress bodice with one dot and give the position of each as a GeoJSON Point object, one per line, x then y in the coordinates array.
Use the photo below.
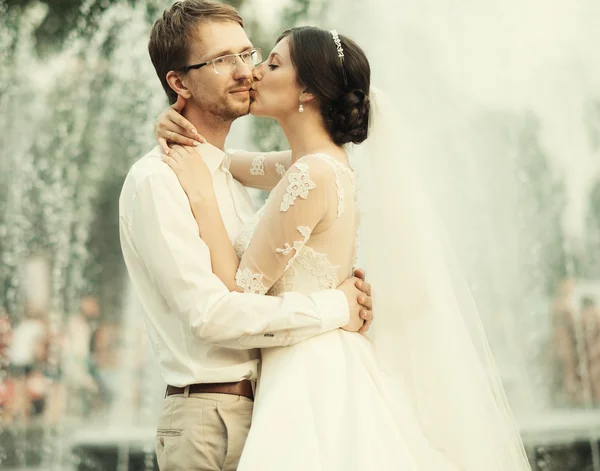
{"type": "Point", "coordinates": [305, 234]}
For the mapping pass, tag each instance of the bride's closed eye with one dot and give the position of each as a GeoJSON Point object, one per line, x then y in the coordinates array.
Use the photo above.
{"type": "Point", "coordinates": [272, 66]}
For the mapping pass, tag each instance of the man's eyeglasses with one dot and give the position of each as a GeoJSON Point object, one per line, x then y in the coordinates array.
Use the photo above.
{"type": "Point", "coordinates": [227, 63]}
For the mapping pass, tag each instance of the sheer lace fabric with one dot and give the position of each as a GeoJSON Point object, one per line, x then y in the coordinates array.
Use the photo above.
{"type": "Point", "coordinates": [303, 239]}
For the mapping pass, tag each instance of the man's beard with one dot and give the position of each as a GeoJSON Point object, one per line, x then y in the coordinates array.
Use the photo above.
{"type": "Point", "coordinates": [225, 110]}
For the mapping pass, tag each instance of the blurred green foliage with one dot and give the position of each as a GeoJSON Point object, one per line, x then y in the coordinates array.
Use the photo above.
{"type": "Point", "coordinates": [66, 17]}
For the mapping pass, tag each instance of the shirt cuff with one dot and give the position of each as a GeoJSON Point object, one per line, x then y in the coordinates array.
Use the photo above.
{"type": "Point", "coordinates": [333, 309]}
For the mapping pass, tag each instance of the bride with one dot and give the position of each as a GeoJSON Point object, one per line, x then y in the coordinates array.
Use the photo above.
{"type": "Point", "coordinates": [424, 394]}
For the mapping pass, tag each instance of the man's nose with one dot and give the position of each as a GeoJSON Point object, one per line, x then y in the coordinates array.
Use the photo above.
{"type": "Point", "coordinates": [242, 70]}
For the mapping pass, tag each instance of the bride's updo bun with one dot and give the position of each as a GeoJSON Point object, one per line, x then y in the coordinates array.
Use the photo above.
{"type": "Point", "coordinates": [340, 84]}
{"type": "Point", "coordinates": [348, 118]}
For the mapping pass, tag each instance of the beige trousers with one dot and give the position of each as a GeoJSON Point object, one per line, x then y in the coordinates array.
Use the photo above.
{"type": "Point", "coordinates": [202, 432]}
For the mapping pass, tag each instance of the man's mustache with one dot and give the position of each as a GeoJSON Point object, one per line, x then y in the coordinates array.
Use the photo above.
{"type": "Point", "coordinates": [247, 85]}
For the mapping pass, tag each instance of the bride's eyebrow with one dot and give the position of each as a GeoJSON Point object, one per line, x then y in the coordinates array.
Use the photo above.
{"type": "Point", "coordinates": [274, 54]}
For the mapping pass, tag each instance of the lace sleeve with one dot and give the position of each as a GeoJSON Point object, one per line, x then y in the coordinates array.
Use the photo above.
{"type": "Point", "coordinates": [304, 202]}
{"type": "Point", "coordinates": [261, 170]}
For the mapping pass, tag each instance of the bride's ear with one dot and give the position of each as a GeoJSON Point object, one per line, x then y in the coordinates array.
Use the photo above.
{"type": "Point", "coordinates": [176, 83]}
{"type": "Point", "coordinates": [306, 96]}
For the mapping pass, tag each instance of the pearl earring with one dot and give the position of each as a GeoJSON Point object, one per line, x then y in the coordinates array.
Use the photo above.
{"type": "Point", "coordinates": [301, 108]}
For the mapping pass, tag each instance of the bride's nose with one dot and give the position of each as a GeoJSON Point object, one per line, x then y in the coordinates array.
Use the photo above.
{"type": "Point", "coordinates": [257, 73]}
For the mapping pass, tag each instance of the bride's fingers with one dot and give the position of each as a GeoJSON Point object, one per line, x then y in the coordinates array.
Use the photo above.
{"type": "Point", "coordinates": [363, 286]}
{"type": "Point", "coordinates": [170, 161]}
{"type": "Point", "coordinates": [162, 142]}
{"type": "Point", "coordinates": [175, 136]}
{"type": "Point", "coordinates": [183, 126]}
{"type": "Point", "coordinates": [366, 325]}
{"type": "Point", "coordinates": [164, 137]}
{"type": "Point", "coordinates": [365, 301]}
{"type": "Point", "coordinates": [184, 152]}
{"type": "Point", "coordinates": [178, 152]}
{"type": "Point", "coordinates": [167, 129]}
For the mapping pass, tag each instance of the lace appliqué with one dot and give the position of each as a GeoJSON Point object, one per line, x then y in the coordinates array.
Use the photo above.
{"type": "Point", "coordinates": [304, 232]}
{"type": "Point", "coordinates": [300, 185]}
{"type": "Point", "coordinates": [258, 165]}
{"type": "Point", "coordinates": [280, 169]}
{"type": "Point", "coordinates": [296, 247]}
{"type": "Point", "coordinates": [319, 266]}
{"type": "Point", "coordinates": [250, 282]}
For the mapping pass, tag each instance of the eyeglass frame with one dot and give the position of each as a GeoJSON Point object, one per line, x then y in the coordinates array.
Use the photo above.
{"type": "Point", "coordinates": [187, 68]}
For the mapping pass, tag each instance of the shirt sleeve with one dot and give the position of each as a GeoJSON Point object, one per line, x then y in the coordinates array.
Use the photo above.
{"type": "Point", "coordinates": [262, 170]}
{"type": "Point", "coordinates": [165, 237]}
{"type": "Point", "coordinates": [305, 202]}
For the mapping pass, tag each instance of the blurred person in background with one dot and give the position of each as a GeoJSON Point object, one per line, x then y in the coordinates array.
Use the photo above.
{"type": "Point", "coordinates": [5, 336]}
{"type": "Point", "coordinates": [590, 319]}
{"type": "Point", "coordinates": [564, 355]}
{"type": "Point", "coordinates": [6, 385]}
{"type": "Point", "coordinates": [76, 356]}
{"type": "Point", "coordinates": [575, 352]}
{"type": "Point", "coordinates": [104, 356]}
{"type": "Point", "coordinates": [25, 355]}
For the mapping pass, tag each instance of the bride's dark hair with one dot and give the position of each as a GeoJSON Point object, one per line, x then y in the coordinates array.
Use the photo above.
{"type": "Point", "coordinates": [341, 86]}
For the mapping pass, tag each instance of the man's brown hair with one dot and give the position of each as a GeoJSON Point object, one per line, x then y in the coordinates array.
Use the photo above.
{"type": "Point", "coordinates": [172, 33]}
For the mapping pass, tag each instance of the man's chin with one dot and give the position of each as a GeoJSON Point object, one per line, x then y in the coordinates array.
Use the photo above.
{"type": "Point", "coordinates": [240, 108]}
{"type": "Point", "coordinates": [245, 110]}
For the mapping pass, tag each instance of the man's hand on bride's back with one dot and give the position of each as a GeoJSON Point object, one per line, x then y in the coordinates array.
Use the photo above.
{"type": "Point", "coordinates": [172, 128]}
{"type": "Point", "coordinates": [358, 295]}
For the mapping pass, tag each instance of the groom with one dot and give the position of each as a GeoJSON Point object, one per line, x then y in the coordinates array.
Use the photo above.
{"type": "Point", "coordinates": [205, 338]}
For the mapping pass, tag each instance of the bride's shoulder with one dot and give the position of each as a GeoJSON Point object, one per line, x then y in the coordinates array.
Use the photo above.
{"type": "Point", "coordinates": [316, 161]}
{"type": "Point", "coordinates": [316, 166]}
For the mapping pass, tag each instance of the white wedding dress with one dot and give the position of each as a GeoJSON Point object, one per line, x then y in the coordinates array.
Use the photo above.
{"type": "Point", "coordinates": [323, 404]}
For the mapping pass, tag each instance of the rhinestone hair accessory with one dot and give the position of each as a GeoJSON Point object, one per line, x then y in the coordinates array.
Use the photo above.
{"type": "Point", "coordinates": [340, 51]}
{"type": "Point", "coordinates": [338, 43]}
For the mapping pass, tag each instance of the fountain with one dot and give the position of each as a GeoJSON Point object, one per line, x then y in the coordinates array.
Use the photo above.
{"type": "Point", "coordinates": [500, 99]}
{"type": "Point", "coordinates": [74, 122]}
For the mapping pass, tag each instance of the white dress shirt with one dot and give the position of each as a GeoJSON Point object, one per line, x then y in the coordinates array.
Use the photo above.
{"type": "Point", "coordinates": [199, 331]}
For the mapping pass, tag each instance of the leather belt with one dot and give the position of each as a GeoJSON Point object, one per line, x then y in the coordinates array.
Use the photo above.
{"type": "Point", "coordinates": [241, 388]}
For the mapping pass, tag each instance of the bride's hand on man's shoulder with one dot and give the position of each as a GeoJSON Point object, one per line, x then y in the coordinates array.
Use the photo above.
{"type": "Point", "coordinates": [172, 128]}
{"type": "Point", "coordinates": [192, 173]}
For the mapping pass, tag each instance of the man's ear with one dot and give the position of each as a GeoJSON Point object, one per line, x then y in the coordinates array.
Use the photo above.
{"type": "Point", "coordinates": [175, 81]}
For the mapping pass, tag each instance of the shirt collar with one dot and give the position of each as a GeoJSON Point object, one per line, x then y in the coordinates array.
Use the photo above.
{"type": "Point", "coordinates": [214, 157]}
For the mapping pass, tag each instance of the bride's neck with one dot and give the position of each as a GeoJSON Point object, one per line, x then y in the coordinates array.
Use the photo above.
{"type": "Point", "coordinates": [212, 128]}
{"type": "Point", "coordinates": [306, 134]}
